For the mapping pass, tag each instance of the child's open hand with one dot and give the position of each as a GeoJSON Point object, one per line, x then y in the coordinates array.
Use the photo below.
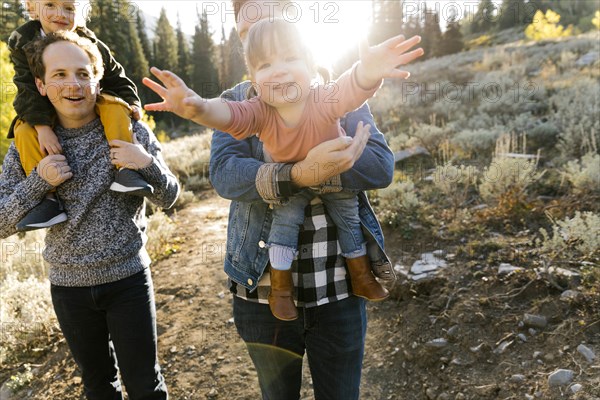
{"type": "Point", "coordinates": [382, 61]}
{"type": "Point", "coordinates": [49, 144]}
{"type": "Point", "coordinates": [178, 98]}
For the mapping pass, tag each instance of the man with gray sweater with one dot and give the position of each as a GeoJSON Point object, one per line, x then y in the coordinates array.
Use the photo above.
{"type": "Point", "coordinates": [99, 268]}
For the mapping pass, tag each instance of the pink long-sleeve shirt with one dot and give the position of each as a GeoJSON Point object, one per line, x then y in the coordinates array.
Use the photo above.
{"type": "Point", "coordinates": [319, 122]}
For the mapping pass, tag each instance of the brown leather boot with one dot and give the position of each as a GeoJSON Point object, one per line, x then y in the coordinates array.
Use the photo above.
{"type": "Point", "coordinates": [281, 300]}
{"type": "Point", "coordinates": [364, 283]}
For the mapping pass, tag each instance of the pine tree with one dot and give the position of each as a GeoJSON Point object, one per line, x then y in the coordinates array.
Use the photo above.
{"type": "Point", "coordinates": [205, 79]}
{"type": "Point", "coordinates": [165, 57]}
{"type": "Point", "coordinates": [103, 22]}
{"type": "Point", "coordinates": [112, 24]}
{"type": "Point", "coordinates": [512, 13]}
{"type": "Point", "coordinates": [387, 20]}
{"type": "Point", "coordinates": [223, 50]}
{"type": "Point", "coordinates": [236, 64]}
{"type": "Point", "coordinates": [183, 53]}
{"type": "Point", "coordinates": [13, 16]}
{"type": "Point", "coordinates": [412, 26]}
{"type": "Point", "coordinates": [452, 38]}
{"type": "Point", "coordinates": [165, 42]}
{"type": "Point", "coordinates": [143, 35]}
{"type": "Point", "coordinates": [432, 34]}
{"type": "Point", "coordinates": [484, 19]}
{"type": "Point", "coordinates": [136, 65]}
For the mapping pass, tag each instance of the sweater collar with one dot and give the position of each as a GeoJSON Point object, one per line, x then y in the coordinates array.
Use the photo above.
{"type": "Point", "coordinates": [82, 130]}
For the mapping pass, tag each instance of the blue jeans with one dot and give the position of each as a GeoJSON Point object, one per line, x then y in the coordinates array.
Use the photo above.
{"type": "Point", "coordinates": [105, 322]}
{"type": "Point", "coordinates": [332, 335]}
{"type": "Point", "coordinates": [342, 207]}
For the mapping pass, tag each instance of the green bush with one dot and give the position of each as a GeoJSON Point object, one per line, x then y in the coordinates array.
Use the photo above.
{"type": "Point", "coordinates": [572, 239]}
{"type": "Point", "coordinates": [22, 256]}
{"type": "Point", "coordinates": [397, 202]}
{"type": "Point", "coordinates": [27, 316]}
{"type": "Point", "coordinates": [188, 156]}
{"type": "Point", "coordinates": [478, 143]}
{"type": "Point", "coordinates": [508, 174]}
{"type": "Point", "coordinates": [576, 118]}
{"type": "Point", "coordinates": [455, 181]}
{"type": "Point", "coordinates": [584, 175]}
{"type": "Point", "coordinates": [160, 232]}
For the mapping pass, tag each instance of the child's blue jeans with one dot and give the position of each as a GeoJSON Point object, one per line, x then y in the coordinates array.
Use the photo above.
{"type": "Point", "coordinates": [341, 206]}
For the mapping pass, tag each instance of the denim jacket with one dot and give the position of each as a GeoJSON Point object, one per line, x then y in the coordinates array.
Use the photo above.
{"type": "Point", "coordinates": [234, 165]}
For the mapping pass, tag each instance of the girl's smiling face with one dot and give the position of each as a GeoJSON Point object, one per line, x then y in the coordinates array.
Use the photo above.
{"type": "Point", "coordinates": [282, 78]}
{"type": "Point", "coordinates": [279, 62]}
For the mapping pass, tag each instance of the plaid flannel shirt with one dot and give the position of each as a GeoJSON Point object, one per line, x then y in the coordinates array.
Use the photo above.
{"type": "Point", "coordinates": [319, 273]}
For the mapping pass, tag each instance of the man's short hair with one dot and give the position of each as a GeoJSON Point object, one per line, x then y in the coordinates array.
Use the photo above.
{"type": "Point", "coordinates": [237, 5]}
{"type": "Point", "coordinates": [35, 52]}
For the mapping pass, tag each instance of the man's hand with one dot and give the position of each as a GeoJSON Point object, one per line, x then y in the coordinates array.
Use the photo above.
{"type": "Point", "coordinates": [48, 140]}
{"type": "Point", "coordinates": [330, 158]}
{"type": "Point", "coordinates": [129, 155]}
{"type": "Point", "coordinates": [178, 98]}
{"type": "Point", "coordinates": [381, 61]}
{"type": "Point", "coordinates": [54, 169]}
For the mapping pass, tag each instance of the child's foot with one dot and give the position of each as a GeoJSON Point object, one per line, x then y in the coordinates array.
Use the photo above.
{"type": "Point", "coordinates": [363, 282]}
{"type": "Point", "coordinates": [49, 212]}
{"type": "Point", "coordinates": [131, 182]}
{"type": "Point", "coordinates": [281, 301]}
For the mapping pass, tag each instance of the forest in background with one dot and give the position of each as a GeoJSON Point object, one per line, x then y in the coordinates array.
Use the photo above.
{"type": "Point", "coordinates": [210, 67]}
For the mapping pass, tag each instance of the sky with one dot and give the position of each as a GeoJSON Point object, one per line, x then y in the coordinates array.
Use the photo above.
{"type": "Point", "coordinates": [331, 27]}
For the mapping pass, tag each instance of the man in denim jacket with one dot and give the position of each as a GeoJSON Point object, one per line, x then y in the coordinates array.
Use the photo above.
{"type": "Point", "coordinates": [331, 327]}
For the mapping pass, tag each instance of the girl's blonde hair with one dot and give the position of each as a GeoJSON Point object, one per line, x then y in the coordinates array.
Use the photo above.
{"type": "Point", "coordinates": [269, 36]}
{"type": "Point", "coordinates": [83, 10]}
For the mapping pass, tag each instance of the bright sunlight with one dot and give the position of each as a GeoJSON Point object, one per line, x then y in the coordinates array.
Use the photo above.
{"type": "Point", "coordinates": [333, 27]}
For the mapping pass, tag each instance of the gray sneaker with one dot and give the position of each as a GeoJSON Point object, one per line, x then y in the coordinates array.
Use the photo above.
{"type": "Point", "coordinates": [131, 182]}
{"type": "Point", "coordinates": [49, 212]}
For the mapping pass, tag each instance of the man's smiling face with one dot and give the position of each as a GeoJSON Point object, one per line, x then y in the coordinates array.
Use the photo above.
{"type": "Point", "coordinates": [70, 83]}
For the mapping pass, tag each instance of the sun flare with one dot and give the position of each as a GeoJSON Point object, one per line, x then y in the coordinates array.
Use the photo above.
{"type": "Point", "coordinates": [332, 28]}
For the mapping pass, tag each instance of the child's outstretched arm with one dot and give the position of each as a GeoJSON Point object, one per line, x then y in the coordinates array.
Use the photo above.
{"type": "Point", "coordinates": [382, 61]}
{"type": "Point", "coordinates": [183, 101]}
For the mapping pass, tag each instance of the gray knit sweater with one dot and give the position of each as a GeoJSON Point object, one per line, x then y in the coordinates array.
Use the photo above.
{"type": "Point", "coordinates": [103, 239]}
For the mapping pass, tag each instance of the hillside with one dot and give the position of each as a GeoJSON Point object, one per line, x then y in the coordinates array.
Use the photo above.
{"type": "Point", "coordinates": [494, 237]}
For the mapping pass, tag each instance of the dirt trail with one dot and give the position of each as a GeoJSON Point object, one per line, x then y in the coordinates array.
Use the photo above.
{"type": "Point", "coordinates": [200, 352]}
{"type": "Point", "coordinates": [203, 357]}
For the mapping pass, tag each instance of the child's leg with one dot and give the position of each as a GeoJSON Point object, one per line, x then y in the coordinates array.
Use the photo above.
{"type": "Point", "coordinates": [343, 209]}
{"type": "Point", "coordinates": [283, 245]}
{"type": "Point", "coordinates": [49, 212]}
{"type": "Point", "coordinates": [28, 146]}
{"type": "Point", "coordinates": [283, 238]}
{"type": "Point", "coordinates": [115, 115]}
